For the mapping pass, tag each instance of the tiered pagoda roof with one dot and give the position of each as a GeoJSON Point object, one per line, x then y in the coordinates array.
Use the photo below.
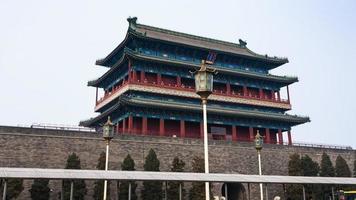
{"type": "Point", "coordinates": [246, 94]}
{"type": "Point", "coordinates": [191, 107]}
{"type": "Point", "coordinates": [128, 53]}
{"type": "Point", "coordinates": [178, 38]}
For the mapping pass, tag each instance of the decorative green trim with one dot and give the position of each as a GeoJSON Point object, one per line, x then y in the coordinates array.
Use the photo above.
{"type": "Point", "coordinates": [283, 79]}
{"type": "Point", "coordinates": [211, 109]}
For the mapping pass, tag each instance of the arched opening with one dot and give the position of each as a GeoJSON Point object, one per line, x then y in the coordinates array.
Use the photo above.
{"type": "Point", "coordinates": [235, 191]}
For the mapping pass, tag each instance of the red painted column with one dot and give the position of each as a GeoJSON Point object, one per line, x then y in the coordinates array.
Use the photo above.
{"type": "Point", "coordinates": [245, 90]}
{"type": "Point", "coordinates": [289, 138]}
{"type": "Point", "coordinates": [129, 71]}
{"type": "Point", "coordinates": [161, 127]}
{"type": "Point", "coordinates": [272, 94]}
{"type": "Point", "coordinates": [182, 128]}
{"type": "Point", "coordinates": [130, 124]}
{"type": "Point", "coordinates": [124, 125]}
{"type": "Point", "coordinates": [228, 88]}
{"type": "Point", "coordinates": [144, 125]}
{"type": "Point", "coordinates": [159, 79]}
{"type": "Point", "coordinates": [280, 136]}
{"type": "Point", "coordinates": [279, 95]}
{"type": "Point", "coordinates": [142, 76]}
{"type": "Point", "coordinates": [201, 130]}
{"type": "Point", "coordinates": [250, 129]}
{"type": "Point", "coordinates": [288, 93]}
{"type": "Point", "coordinates": [117, 128]}
{"type": "Point", "coordinates": [268, 136]}
{"type": "Point", "coordinates": [134, 75]}
{"type": "Point", "coordinates": [260, 93]}
{"type": "Point", "coordinates": [234, 133]}
{"type": "Point", "coordinates": [179, 81]}
{"type": "Point", "coordinates": [96, 96]}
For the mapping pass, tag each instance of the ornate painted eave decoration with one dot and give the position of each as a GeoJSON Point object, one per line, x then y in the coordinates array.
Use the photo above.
{"type": "Point", "coordinates": [154, 33]}
{"type": "Point", "coordinates": [124, 101]}
{"type": "Point", "coordinates": [136, 55]}
{"type": "Point", "coordinates": [188, 94]}
{"type": "Point", "coordinates": [222, 70]}
{"type": "Point", "coordinates": [134, 101]}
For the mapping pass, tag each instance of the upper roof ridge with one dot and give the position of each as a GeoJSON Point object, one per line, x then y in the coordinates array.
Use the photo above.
{"type": "Point", "coordinates": [134, 26]}
{"type": "Point", "coordinates": [177, 33]}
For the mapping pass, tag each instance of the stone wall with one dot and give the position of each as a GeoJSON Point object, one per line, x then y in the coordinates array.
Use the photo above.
{"type": "Point", "coordinates": [41, 148]}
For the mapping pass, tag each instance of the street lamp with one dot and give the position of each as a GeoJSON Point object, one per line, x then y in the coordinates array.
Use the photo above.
{"type": "Point", "coordinates": [258, 146]}
{"type": "Point", "coordinates": [108, 134]}
{"type": "Point", "coordinates": [204, 87]}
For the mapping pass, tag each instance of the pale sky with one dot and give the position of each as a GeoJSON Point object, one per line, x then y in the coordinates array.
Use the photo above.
{"type": "Point", "coordinates": [48, 50]}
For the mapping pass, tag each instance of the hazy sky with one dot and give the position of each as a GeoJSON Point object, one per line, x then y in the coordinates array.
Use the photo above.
{"type": "Point", "coordinates": [48, 50]}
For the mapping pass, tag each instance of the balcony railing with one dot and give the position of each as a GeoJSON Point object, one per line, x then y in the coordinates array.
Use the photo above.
{"type": "Point", "coordinates": [325, 146]}
{"type": "Point", "coordinates": [113, 91]}
{"type": "Point", "coordinates": [189, 88]}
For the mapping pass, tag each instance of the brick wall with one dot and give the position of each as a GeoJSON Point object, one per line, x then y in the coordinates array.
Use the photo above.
{"type": "Point", "coordinates": [28, 147]}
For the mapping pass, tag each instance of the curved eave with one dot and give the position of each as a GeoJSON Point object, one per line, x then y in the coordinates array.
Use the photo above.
{"type": "Point", "coordinates": [295, 120]}
{"type": "Point", "coordinates": [103, 62]}
{"type": "Point", "coordinates": [95, 83]}
{"type": "Point", "coordinates": [102, 116]}
{"type": "Point", "coordinates": [128, 52]}
{"type": "Point", "coordinates": [280, 79]}
{"type": "Point", "coordinates": [247, 54]}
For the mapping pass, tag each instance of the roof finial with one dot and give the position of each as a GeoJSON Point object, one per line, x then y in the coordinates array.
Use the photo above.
{"type": "Point", "coordinates": [132, 22]}
{"type": "Point", "coordinates": [242, 43]}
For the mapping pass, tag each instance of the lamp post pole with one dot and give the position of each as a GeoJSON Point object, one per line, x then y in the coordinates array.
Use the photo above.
{"type": "Point", "coordinates": [260, 172]}
{"type": "Point", "coordinates": [4, 190]}
{"type": "Point", "coordinates": [106, 168]}
{"type": "Point", "coordinates": [108, 134]}
{"type": "Point", "coordinates": [258, 146]}
{"type": "Point", "coordinates": [204, 87]}
{"type": "Point", "coordinates": [206, 152]}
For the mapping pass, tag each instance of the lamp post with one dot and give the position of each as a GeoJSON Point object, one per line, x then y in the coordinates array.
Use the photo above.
{"type": "Point", "coordinates": [108, 134]}
{"type": "Point", "coordinates": [258, 146]}
{"type": "Point", "coordinates": [204, 87]}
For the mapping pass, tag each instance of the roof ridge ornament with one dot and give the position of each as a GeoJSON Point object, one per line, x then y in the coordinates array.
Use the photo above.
{"type": "Point", "coordinates": [242, 43]}
{"type": "Point", "coordinates": [132, 22]}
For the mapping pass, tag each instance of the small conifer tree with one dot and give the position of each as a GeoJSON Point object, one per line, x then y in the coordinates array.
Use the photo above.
{"type": "Point", "coordinates": [39, 189]}
{"type": "Point", "coordinates": [197, 191]}
{"type": "Point", "coordinates": [326, 170]}
{"type": "Point", "coordinates": [342, 170]}
{"type": "Point", "coordinates": [79, 187]}
{"type": "Point", "coordinates": [14, 188]}
{"type": "Point", "coordinates": [152, 190]}
{"type": "Point", "coordinates": [127, 165]}
{"type": "Point", "coordinates": [99, 184]}
{"type": "Point", "coordinates": [173, 186]}
{"type": "Point", "coordinates": [326, 166]}
{"type": "Point", "coordinates": [294, 169]}
{"type": "Point", "coordinates": [310, 168]}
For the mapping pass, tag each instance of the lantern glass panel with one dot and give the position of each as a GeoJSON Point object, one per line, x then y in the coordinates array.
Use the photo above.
{"type": "Point", "coordinates": [209, 80]}
{"type": "Point", "coordinates": [202, 78]}
{"type": "Point", "coordinates": [259, 142]}
{"type": "Point", "coordinates": [197, 81]}
{"type": "Point", "coordinates": [108, 131]}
